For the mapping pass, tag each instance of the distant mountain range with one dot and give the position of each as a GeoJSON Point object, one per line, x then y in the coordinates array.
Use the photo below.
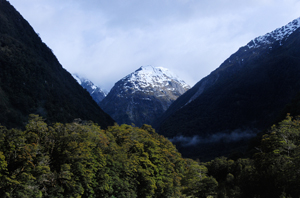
{"type": "Point", "coordinates": [32, 81]}
{"type": "Point", "coordinates": [96, 92]}
{"type": "Point", "coordinates": [251, 90]}
{"type": "Point", "coordinates": [245, 95]}
{"type": "Point", "coordinates": [142, 96]}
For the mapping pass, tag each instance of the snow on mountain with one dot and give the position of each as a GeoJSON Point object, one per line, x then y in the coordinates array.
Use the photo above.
{"type": "Point", "coordinates": [245, 57]}
{"type": "Point", "coordinates": [277, 35]}
{"type": "Point", "coordinates": [255, 47]}
{"type": "Point", "coordinates": [142, 96]}
{"type": "Point", "coordinates": [151, 77]}
{"type": "Point", "coordinates": [77, 78]}
{"type": "Point", "coordinates": [96, 92]}
{"type": "Point", "coordinates": [250, 90]}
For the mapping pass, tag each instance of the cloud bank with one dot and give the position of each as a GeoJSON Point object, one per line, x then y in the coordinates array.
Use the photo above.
{"type": "Point", "coordinates": [234, 136]}
{"type": "Point", "coordinates": [106, 40]}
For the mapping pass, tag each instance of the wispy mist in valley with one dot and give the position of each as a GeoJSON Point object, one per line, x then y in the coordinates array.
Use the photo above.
{"type": "Point", "coordinates": [233, 136]}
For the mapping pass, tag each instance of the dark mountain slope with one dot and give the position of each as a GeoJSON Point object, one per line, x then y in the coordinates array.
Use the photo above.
{"type": "Point", "coordinates": [246, 92]}
{"type": "Point", "coordinates": [33, 81]}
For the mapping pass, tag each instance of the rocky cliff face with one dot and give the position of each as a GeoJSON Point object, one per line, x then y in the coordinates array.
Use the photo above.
{"type": "Point", "coordinates": [142, 96]}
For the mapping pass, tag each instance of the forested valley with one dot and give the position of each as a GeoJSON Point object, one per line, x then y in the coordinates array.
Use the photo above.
{"type": "Point", "coordinates": [44, 154]}
{"type": "Point", "coordinates": [80, 159]}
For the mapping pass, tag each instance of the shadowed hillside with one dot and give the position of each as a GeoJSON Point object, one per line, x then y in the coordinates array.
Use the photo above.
{"type": "Point", "coordinates": [244, 95]}
{"type": "Point", "coordinates": [33, 81]}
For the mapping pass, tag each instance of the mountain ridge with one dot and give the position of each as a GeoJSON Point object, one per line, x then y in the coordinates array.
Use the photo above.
{"type": "Point", "coordinates": [243, 54]}
{"type": "Point", "coordinates": [246, 92]}
{"type": "Point", "coordinates": [277, 35]}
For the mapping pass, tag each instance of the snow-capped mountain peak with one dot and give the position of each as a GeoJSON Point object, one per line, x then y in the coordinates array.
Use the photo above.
{"type": "Point", "coordinates": [148, 76]}
{"type": "Point", "coordinates": [142, 96]}
{"type": "Point", "coordinates": [96, 92]}
{"type": "Point", "coordinates": [279, 34]}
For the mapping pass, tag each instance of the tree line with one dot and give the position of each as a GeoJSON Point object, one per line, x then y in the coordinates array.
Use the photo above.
{"type": "Point", "coordinates": [80, 159]}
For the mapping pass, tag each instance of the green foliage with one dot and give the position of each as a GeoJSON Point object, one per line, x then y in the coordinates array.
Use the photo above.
{"type": "Point", "coordinates": [196, 182]}
{"type": "Point", "coordinates": [82, 160]}
{"type": "Point", "coordinates": [231, 175]}
{"type": "Point", "coordinates": [273, 171]}
{"type": "Point", "coordinates": [278, 163]}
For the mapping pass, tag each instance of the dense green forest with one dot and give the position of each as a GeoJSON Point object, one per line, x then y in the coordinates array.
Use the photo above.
{"type": "Point", "coordinates": [80, 159]}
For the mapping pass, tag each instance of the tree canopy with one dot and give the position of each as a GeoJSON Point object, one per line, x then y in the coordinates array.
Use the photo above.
{"type": "Point", "coordinates": [80, 159]}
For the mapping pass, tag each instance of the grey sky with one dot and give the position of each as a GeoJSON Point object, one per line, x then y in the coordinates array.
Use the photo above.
{"type": "Point", "coordinates": [104, 40]}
